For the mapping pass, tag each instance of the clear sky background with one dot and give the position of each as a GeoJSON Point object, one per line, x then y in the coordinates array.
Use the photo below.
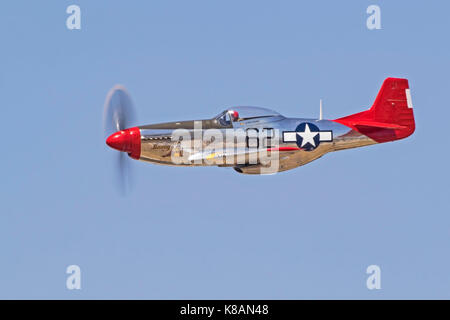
{"type": "Point", "coordinates": [211, 233]}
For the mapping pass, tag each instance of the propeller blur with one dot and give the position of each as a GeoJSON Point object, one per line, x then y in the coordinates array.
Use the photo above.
{"type": "Point", "coordinates": [118, 114]}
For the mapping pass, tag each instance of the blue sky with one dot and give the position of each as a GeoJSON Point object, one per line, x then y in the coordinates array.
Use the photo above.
{"type": "Point", "coordinates": [210, 233]}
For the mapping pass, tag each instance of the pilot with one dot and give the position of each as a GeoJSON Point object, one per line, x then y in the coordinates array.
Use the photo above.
{"type": "Point", "coordinates": [234, 115]}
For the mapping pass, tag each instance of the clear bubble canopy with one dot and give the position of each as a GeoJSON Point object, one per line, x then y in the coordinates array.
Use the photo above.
{"type": "Point", "coordinates": [250, 112]}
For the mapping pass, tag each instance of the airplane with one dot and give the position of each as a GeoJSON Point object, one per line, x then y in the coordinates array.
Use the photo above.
{"type": "Point", "coordinates": [255, 140]}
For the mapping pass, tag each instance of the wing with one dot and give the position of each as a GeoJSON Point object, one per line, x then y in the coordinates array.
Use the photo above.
{"type": "Point", "coordinates": [288, 158]}
{"type": "Point", "coordinates": [217, 157]}
{"type": "Point", "coordinates": [250, 160]}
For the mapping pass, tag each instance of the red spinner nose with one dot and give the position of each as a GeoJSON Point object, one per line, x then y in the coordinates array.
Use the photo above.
{"type": "Point", "coordinates": [128, 140]}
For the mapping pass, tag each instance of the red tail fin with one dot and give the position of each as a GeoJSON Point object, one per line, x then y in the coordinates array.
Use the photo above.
{"type": "Point", "coordinates": [391, 115]}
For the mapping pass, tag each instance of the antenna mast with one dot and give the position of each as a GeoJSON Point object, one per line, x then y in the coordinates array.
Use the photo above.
{"type": "Point", "coordinates": [320, 111]}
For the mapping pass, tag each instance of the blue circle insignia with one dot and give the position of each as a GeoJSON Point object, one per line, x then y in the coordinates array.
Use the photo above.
{"type": "Point", "coordinates": [308, 136]}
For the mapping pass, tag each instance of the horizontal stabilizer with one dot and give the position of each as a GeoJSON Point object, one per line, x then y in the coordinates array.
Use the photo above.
{"type": "Point", "coordinates": [374, 124]}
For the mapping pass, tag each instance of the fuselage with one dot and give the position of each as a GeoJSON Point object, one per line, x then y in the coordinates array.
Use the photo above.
{"type": "Point", "coordinates": [160, 143]}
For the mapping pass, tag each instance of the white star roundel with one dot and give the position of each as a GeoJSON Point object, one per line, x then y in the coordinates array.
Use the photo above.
{"type": "Point", "coordinates": [307, 136]}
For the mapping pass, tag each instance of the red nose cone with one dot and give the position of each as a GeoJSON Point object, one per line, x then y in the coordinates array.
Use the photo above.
{"type": "Point", "coordinates": [128, 140]}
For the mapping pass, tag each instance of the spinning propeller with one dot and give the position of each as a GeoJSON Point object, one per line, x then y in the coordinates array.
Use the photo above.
{"type": "Point", "coordinates": [118, 115]}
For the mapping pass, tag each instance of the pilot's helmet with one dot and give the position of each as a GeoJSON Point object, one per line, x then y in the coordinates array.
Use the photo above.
{"type": "Point", "coordinates": [234, 115]}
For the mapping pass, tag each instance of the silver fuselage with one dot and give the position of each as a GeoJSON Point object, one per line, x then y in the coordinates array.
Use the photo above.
{"type": "Point", "coordinates": [160, 142]}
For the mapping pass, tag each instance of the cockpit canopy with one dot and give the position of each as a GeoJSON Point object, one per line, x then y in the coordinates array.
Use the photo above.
{"type": "Point", "coordinates": [230, 115]}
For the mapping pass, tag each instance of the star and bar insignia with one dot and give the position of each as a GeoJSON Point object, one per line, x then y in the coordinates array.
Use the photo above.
{"type": "Point", "coordinates": [308, 136]}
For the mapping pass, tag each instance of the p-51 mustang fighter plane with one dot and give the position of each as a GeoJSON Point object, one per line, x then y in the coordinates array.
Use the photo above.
{"type": "Point", "coordinates": [244, 138]}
